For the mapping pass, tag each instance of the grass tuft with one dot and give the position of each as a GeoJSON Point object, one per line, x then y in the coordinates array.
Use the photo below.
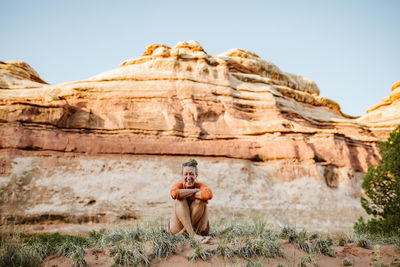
{"type": "Point", "coordinates": [347, 262]}
{"type": "Point", "coordinates": [363, 242]}
{"type": "Point", "coordinates": [323, 246]}
{"type": "Point", "coordinates": [250, 263]}
{"type": "Point", "coordinates": [199, 252]}
{"type": "Point", "coordinates": [342, 241]}
{"type": "Point", "coordinates": [128, 255]}
{"type": "Point", "coordinates": [164, 243]}
{"type": "Point", "coordinates": [19, 254]}
{"type": "Point", "coordinates": [259, 246]}
{"type": "Point", "coordinates": [224, 251]}
{"type": "Point", "coordinates": [312, 244]}
{"type": "Point", "coordinates": [77, 254]}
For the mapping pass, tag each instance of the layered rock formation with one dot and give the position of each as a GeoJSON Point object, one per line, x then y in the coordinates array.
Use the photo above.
{"type": "Point", "coordinates": [110, 146]}
{"type": "Point", "coordinates": [384, 116]}
{"type": "Point", "coordinates": [18, 75]}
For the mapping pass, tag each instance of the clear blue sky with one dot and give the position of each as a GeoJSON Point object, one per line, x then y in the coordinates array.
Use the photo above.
{"type": "Point", "coordinates": [350, 48]}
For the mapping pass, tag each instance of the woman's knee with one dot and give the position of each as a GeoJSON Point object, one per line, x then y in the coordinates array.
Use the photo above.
{"type": "Point", "coordinates": [174, 226]}
{"type": "Point", "coordinates": [180, 202]}
{"type": "Point", "coordinates": [199, 202]}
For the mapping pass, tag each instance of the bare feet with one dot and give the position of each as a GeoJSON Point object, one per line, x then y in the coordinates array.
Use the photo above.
{"type": "Point", "coordinates": [202, 239]}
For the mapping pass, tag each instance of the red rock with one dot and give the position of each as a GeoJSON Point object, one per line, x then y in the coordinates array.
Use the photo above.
{"type": "Point", "coordinates": [174, 103]}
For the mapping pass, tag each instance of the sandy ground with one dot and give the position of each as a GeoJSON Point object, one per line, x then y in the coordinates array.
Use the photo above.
{"type": "Point", "coordinates": [358, 257]}
{"type": "Point", "coordinates": [390, 254]}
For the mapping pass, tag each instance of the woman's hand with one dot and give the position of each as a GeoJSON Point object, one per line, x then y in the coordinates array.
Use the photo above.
{"type": "Point", "coordinates": [185, 193]}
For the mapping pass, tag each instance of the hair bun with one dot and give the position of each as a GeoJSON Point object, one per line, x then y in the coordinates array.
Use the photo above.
{"type": "Point", "coordinates": [193, 161]}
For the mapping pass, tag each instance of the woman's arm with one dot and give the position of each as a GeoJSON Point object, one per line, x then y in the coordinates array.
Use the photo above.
{"type": "Point", "coordinates": [205, 192]}
{"type": "Point", "coordinates": [184, 193]}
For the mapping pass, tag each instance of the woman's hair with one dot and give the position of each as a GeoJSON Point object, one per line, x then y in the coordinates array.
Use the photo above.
{"type": "Point", "coordinates": [190, 163]}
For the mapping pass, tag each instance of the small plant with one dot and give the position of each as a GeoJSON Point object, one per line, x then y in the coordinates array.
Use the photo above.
{"type": "Point", "coordinates": [377, 251]}
{"type": "Point", "coordinates": [96, 237]}
{"type": "Point", "coordinates": [298, 239]}
{"type": "Point", "coordinates": [164, 243]}
{"type": "Point", "coordinates": [259, 247]}
{"type": "Point", "coordinates": [199, 252]}
{"type": "Point", "coordinates": [342, 241]}
{"type": "Point", "coordinates": [250, 263]}
{"type": "Point", "coordinates": [18, 254]}
{"type": "Point", "coordinates": [347, 262]}
{"type": "Point", "coordinates": [132, 254]}
{"type": "Point", "coordinates": [289, 233]}
{"type": "Point", "coordinates": [124, 235]}
{"type": "Point", "coordinates": [224, 251]}
{"type": "Point", "coordinates": [323, 246]}
{"type": "Point", "coordinates": [304, 262]}
{"type": "Point", "coordinates": [363, 242]}
{"type": "Point", "coordinates": [77, 255]}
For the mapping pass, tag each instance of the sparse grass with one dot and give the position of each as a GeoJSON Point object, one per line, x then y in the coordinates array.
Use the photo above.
{"type": "Point", "coordinates": [309, 244]}
{"type": "Point", "coordinates": [253, 241]}
{"type": "Point", "coordinates": [224, 250]}
{"type": "Point", "coordinates": [77, 254]}
{"type": "Point", "coordinates": [323, 246]}
{"type": "Point", "coordinates": [96, 237]}
{"type": "Point", "coordinates": [164, 243]}
{"type": "Point", "coordinates": [128, 255]}
{"type": "Point", "coordinates": [260, 246]}
{"type": "Point", "coordinates": [19, 254]}
{"type": "Point", "coordinates": [199, 252]}
{"type": "Point", "coordinates": [379, 237]}
{"type": "Point", "coordinates": [24, 250]}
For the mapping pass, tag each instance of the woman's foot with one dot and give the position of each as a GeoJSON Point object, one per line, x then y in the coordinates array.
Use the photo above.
{"type": "Point", "coordinates": [202, 239]}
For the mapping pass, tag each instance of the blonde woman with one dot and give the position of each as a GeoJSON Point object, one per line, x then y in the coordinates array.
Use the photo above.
{"type": "Point", "coordinates": [190, 205]}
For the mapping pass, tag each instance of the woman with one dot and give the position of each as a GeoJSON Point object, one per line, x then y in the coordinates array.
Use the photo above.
{"type": "Point", "coordinates": [190, 205]}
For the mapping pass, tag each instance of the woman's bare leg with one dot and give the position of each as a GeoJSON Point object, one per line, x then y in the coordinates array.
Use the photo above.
{"type": "Point", "coordinates": [199, 215]}
{"type": "Point", "coordinates": [199, 218]}
{"type": "Point", "coordinates": [180, 220]}
{"type": "Point", "coordinates": [175, 226]}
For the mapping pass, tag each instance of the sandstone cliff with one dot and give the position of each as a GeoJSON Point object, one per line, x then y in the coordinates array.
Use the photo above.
{"type": "Point", "coordinates": [18, 75]}
{"type": "Point", "coordinates": [385, 115]}
{"type": "Point", "coordinates": [110, 146]}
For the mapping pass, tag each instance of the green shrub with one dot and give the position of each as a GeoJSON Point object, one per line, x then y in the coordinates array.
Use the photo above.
{"type": "Point", "coordinates": [382, 188]}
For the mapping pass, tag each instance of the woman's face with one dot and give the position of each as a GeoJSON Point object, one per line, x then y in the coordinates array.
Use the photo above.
{"type": "Point", "coordinates": [189, 176]}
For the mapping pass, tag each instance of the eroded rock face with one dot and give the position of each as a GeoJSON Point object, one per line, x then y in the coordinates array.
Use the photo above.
{"type": "Point", "coordinates": [384, 116]}
{"type": "Point", "coordinates": [18, 75]}
{"type": "Point", "coordinates": [234, 109]}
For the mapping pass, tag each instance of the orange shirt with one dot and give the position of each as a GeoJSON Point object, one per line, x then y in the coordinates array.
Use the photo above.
{"type": "Point", "coordinates": [206, 193]}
